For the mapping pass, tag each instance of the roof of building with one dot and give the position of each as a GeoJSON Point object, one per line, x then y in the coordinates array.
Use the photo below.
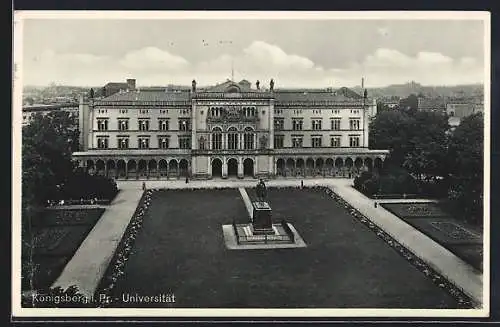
{"type": "Point", "coordinates": [116, 85]}
{"type": "Point", "coordinates": [148, 95]}
{"type": "Point", "coordinates": [159, 94]}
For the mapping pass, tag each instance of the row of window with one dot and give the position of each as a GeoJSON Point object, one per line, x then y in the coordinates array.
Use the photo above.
{"type": "Point", "coordinates": [143, 142]}
{"type": "Point", "coordinates": [298, 124]}
{"type": "Point", "coordinates": [315, 111]}
{"type": "Point", "coordinates": [144, 124]}
{"type": "Point", "coordinates": [146, 111]}
{"type": "Point", "coordinates": [232, 141]}
{"type": "Point", "coordinates": [316, 141]}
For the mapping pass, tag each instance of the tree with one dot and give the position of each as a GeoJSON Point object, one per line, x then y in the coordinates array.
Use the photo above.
{"type": "Point", "coordinates": [466, 166]}
{"type": "Point", "coordinates": [427, 146]}
{"type": "Point", "coordinates": [409, 104]}
{"type": "Point", "coordinates": [47, 144]}
{"type": "Point", "coordinates": [389, 130]}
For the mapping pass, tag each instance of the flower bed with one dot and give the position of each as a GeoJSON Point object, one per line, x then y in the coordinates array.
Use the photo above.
{"type": "Point", "coordinates": [414, 209]}
{"type": "Point", "coordinates": [464, 301]}
{"type": "Point", "coordinates": [122, 253]}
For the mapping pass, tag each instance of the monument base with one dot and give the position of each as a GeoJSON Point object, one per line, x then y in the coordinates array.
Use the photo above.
{"type": "Point", "coordinates": [242, 237]}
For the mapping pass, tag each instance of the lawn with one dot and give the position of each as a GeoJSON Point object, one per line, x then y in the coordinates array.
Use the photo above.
{"type": "Point", "coordinates": [463, 239]}
{"type": "Point", "coordinates": [180, 249]}
{"type": "Point", "coordinates": [57, 236]}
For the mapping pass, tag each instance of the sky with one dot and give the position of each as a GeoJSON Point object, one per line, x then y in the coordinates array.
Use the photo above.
{"type": "Point", "coordinates": [295, 53]}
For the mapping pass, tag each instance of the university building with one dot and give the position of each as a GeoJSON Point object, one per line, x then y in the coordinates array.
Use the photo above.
{"type": "Point", "coordinates": [230, 130]}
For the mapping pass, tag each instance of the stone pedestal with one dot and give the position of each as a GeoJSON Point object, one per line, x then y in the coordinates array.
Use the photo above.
{"type": "Point", "coordinates": [261, 220]}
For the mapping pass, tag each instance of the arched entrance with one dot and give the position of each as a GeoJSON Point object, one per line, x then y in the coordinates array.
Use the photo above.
{"type": "Point", "coordinates": [162, 167]}
{"type": "Point", "coordinates": [111, 168]}
{"type": "Point", "coordinates": [216, 168]}
{"type": "Point", "coordinates": [329, 166]}
{"type": "Point", "coordinates": [121, 169]}
{"type": "Point", "coordinates": [90, 167]}
{"type": "Point", "coordinates": [290, 166]}
{"type": "Point", "coordinates": [100, 167]}
{"type": "Point", "coordinates": [280, 167]}
{"type": "Point", "coordinates": [300, 167]}
{"type": "Point", "coordinates": [173, 168]}
{"type": "Point", "coordinates": [248, 167]}
{"type": "Point", "coordinates": [232, 167]}
{"type": "Point", "coordinates": [152, 168]}
{"type": "Point", "coordinates": [369, 164]}
{"type": "Point", "coordinates": [320, 166]}
{"type": "Point", "coordinates": [142, 168]}
{"type": "Point", "coordinates": [184, 167]}
{"type": "Point", "coordinates": [309, 167]}
{"type": "Point", "coordinates": [132, 169]}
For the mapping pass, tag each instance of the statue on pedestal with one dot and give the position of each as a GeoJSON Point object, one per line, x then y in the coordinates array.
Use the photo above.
{"type": "Point", "coordinates": [257, 84]}
{"type": "Point", "coordinates": [193, 85]}
{"type": "Point", "coordinates": [271, 85]}
{"type": "Point", "coordinates": [261, 191]}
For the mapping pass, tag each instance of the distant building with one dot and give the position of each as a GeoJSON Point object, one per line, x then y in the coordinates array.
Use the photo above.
{"type": "Point", "coordinates": [431, 104]}
{"type": "Point", "coordinates": [30, 111]}
{"type": "Point", "coordinates": [227, 130]}
{"type": "Point", "coordinates": [113, 87]}
{"type": "Point", "coordinates": [457, 109]}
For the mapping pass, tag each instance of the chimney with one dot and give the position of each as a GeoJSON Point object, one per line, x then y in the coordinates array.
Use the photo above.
{"type": "Point", "coordinates": [131, 84]}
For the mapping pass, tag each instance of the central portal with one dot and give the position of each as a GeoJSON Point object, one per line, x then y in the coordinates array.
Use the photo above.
{"type": "Point", "coordinates": [232, 167]}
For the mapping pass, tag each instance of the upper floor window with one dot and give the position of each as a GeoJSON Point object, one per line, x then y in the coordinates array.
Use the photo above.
{"type": "Point", "coordinates": [335, 141]}
{"type": "Point", "coordinates": [185, 142]}
{"type": "Point", "coordinates": [248, 139]}
{"type": "Point", "coordinates": [123, 124]}
{"type": "Point", "coordinates": [184, 125]}
{"type": "Point", "coordinates": [279, 141]}
{"type": "Point", "coordinates": [297, 124]}
{"type": "Point", "coordinates": [232, 139]}
{"type": "Point", "coordinates": [316, 141]}
{"type": "Point", "coordinates": [123, 142]}
{"type": "Point", "coordinates": [215, 111]}
{"type": "Point", "coordinates": [249, 111]}
{"type": "Point", "coordinates": [316, 124]}
{"type": "Point", "coordinates": [143, 142]}
{"type": "Point", "coordinates": [163, 124]}
{"type": "Point", "coordinates": [336, 111]}
{"type": "Point", "coordinates": [144, 111]}
{"type": "Point", "coordinates": [102, 143]}
{"type": "Point", "coordinates": [216, 138]}
{"type": "Point", "coordinates": [143, 124]}
{"type": "Point", "coordinates": [354, 141]}
{"type": "Point", "coordinates": [354, 124]}
{"type": "Point", "coordinates": [297, 141]}
{"type": "Point", "coordinates": [279, 124]}
{"type": "Point", "coordinates": [163, 142]}
{"type": "Point", "coordinates": [102, 124]}
{"type": "Point", "coordinates": [335, 124]}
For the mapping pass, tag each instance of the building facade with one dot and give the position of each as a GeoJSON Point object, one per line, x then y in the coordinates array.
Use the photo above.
{"type": "Point", "coordinates": [228, 130]}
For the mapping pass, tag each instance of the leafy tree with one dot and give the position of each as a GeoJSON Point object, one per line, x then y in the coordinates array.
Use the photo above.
{"type": "Point", "coordinates": [466, 166]}
{"type": "Point", "coordinates": [427, 145]}
{"type": "Point", "coordinates": [389, 130]}
{"type": "Point", "coordinates": [409, 104]}
{"type": "Point", "coordinates": [47, 144]}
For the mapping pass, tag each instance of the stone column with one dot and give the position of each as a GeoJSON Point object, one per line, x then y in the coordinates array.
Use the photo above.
{"type": "Point", "coordinates": [240, 167]}
{"type": "Point", "coordinates": [224, 167]}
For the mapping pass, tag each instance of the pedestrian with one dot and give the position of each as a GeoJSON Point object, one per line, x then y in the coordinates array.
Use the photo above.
{"type": "Point", "coordinates": [143, 186]}
{"type": "Point", "coordinates": [187, 179]}
{"type": "Point", "coordinates": [375, 203]}
{"type": "Point", "coordinates": [301, 183]}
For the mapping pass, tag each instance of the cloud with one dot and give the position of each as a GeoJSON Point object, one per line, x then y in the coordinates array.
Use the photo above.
{"type": "Point", "coordinates": [257, 61]}
{"type": "Point", "coordinates": [152, 58]}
